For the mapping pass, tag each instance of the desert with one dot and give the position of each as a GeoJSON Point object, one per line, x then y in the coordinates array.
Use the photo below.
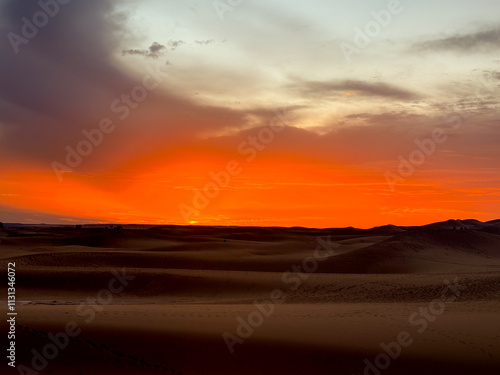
{"type": "Point", "coordinates": [247, 300]}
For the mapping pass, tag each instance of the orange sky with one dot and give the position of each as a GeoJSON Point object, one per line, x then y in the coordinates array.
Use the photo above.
{"type": "Point", "coordinates": [276, 190]}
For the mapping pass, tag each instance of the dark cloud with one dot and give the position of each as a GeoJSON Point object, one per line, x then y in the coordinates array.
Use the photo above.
{"type": "Point", "coordinates": [481, 40]}
{"type": "Point", "coordinates": [140, 52]}
{"type": "Point", "coordinates": [378, 89]}
{"type": "Point", "coordinates": [64, 71]}
{"type": "Point", "coordinates": [66, 77]}
{"type": "Point", "coordinates": [154, 51]}
{"type": "Point", "coordinates": [156, 47]}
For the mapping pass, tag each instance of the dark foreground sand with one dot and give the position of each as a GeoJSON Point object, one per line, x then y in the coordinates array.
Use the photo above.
{"type": "Point", "coordinates": [162, 300]}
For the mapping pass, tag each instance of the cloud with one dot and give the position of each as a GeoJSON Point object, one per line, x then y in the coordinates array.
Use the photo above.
{"type": "Point", "coordinates": [378, 141]}
{"type": "Point", "coordinates": [481, 40]}
{"type": "Point", "coordinates": [204, 42]}
{"type": "Point", "coordinates": [174, 44]}
{"type": "Point", "coordinates": [57, 80]}
{"type": "Point", "coordinates": [154, 51]}
{"type": "Point", "coordinates": [157, 49]}
{"type": "Point", "coordinates": [398, 119]}
{"type": "Point", "coordinates": [66, 78]}
{"type": "Point", "coordinates": [378, 89]}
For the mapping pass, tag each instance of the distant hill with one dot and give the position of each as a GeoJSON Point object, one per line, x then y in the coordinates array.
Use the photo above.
{"type": "Point", "coordinates": [421, 251]}
{"type": "Point", "coordinates": [385, 230]}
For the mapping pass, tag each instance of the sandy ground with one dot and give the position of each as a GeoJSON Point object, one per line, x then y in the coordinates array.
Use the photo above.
{"type": "Point", "coordinates": [189, 300]}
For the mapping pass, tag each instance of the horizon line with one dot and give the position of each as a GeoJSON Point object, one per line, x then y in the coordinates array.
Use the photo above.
{"type": "Point", "coordinates": [239, 226]}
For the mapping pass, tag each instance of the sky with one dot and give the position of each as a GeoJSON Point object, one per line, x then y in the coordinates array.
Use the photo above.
{"type": "Point", "coordinates": [317, 113]}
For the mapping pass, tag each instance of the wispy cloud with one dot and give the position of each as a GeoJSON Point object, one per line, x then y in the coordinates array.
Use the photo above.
{"type": "Point", "coordinates": [154, 51]}
{"type": "Point", "coordinates": [204, 42]}
{"type": "Point", "coordinates": [486, 39]}
{"type": "Point", "coordinates": [173, 44]}
{"type": "Point", "coordinates": [360, 88]}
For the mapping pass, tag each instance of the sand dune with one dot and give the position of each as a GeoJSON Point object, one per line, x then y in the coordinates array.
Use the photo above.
{"type": "Point", "coordinates": [427, 250]}
{"type": "Point", "coordinates": [190, 285]}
